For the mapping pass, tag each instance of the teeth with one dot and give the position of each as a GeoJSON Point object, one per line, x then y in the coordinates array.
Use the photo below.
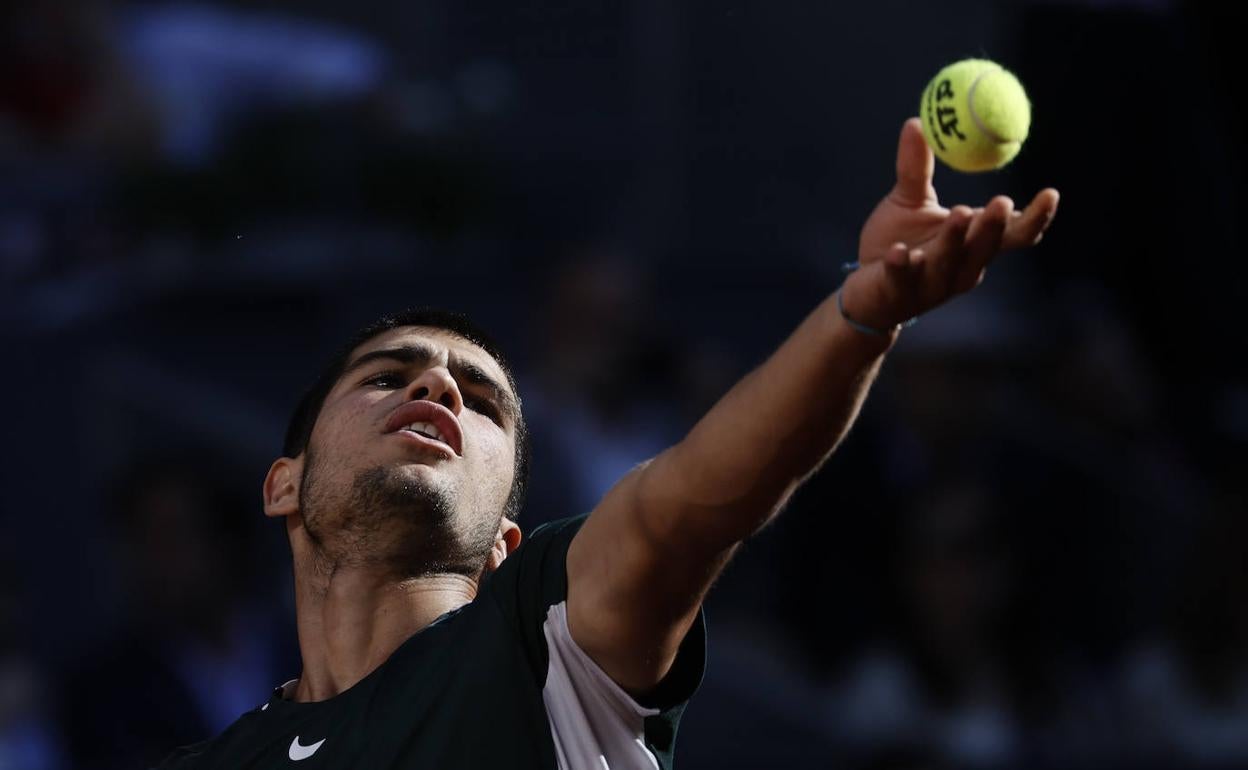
{"type": "Point", "coordinates": [427, 428]}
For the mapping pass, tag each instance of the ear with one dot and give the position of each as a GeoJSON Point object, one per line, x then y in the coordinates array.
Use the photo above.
{"type": "Point", "coordinates": [505, 542]}
{"type": "Point", "coordinates": [281, 487]}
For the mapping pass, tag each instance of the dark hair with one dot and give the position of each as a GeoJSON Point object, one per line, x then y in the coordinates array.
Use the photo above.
{"type": "Point", "coordinates": [299, 431]}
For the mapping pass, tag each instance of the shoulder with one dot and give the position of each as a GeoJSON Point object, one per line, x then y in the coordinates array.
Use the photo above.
{"type": "Point", "coordinates": [554, 532]}
{"type": "Point", "coordinates": [205, 753]}
{"type": "Point", "coordinates": [185, 757]}
{"type": "Point", "coordinates": [538, 567]}
{"type": "Point", "coordinates": [529, 582]}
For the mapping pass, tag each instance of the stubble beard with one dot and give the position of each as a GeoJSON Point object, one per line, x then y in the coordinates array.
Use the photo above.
{"type": "Point", "coordinates": [401, 522]}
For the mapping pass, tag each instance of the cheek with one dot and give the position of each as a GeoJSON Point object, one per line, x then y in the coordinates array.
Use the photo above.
{"type": "Point", "coordinates": [343, 431]}
{"type": "Point", "coordinates": [496, 454]}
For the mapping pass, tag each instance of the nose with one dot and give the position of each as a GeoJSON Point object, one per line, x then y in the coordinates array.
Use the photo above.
{"type": "Point", "coordinates": [437, 384]}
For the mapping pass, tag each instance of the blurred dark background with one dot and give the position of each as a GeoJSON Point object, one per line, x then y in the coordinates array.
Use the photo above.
{"type": "Point", "coordinates": [1028, 554]}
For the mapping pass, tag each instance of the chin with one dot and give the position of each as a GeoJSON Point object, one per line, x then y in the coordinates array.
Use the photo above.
{"type": "Point", "coordinates": [416, 470]}
{"type": "Point", "coordinates": [418, 482]}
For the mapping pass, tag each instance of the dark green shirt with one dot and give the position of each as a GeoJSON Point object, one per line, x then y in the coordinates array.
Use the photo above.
{"type": "Point", "coordinates": [497, 683]}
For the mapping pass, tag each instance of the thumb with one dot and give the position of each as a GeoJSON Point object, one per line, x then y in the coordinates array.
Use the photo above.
{"type": "Point", "coordinates": [915, 166]}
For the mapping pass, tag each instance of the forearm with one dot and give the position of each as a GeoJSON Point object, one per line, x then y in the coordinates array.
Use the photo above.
{"type": "Point", "coordinates": [739, 464]}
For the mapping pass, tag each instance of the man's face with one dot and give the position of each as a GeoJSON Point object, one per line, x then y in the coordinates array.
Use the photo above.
{"type": "Point", "coordinates": [412, 458]}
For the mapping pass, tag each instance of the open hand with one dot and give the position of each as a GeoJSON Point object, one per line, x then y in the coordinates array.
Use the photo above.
{"type": "Point", "coordinates": [916, 255]}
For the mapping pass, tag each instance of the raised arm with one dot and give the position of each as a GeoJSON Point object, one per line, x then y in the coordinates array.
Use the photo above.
{"type": "Point", "coordinates": [641, 564]}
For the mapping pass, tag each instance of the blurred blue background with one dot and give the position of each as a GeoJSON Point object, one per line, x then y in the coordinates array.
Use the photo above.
{"type": "Point", "coordinates": [1029, 553]}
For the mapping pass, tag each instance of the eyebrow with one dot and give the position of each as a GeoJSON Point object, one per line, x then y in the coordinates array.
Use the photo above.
{"type": "Point", "coordinates": [465, 370]}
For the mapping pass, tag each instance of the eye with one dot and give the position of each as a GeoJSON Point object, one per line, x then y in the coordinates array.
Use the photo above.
{"type": "Point", "coordinates": [482, 406]}
{"type": "Point", "coordinates": [386, 380]}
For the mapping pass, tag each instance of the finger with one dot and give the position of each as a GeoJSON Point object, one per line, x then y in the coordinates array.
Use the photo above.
{"type": "Point", "coordinates": [1026, 229]}
{"type": "Point", "coordinates": [900, 267]}
{"type": "Point", "coordinates": [943, 259]}
{"type": "Point", "coordinates": [915, 166]}
{"type": "Point", "coordinates": [987, 231]}
{"type": "Point", "coordinates": [898, 255]}
{"type": "Point", "coordinates": [983, 240]}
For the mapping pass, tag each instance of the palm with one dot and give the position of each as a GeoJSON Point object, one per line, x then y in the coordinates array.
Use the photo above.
{"type": "Point", "coordinates": [896, 219]}
{"type": "Point", "coordinates": [930, 253]}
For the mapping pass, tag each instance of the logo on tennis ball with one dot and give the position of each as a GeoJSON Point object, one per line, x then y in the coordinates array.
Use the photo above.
{"type": "Point", "coordinates": [946, 115]}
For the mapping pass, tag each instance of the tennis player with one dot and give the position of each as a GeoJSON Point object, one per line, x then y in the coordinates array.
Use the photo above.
{"type": "Point", "coordinates": [434, 636]}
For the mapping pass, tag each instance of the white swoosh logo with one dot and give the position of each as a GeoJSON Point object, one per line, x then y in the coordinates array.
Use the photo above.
{"type": "Point", "coordinates": [298, 752]}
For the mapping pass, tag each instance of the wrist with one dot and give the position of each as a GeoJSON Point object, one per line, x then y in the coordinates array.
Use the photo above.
{"type": "Point", "coordinates": [842, 334]}
{"type": "Point", "coordinates": [848, 300]}
{"type": "Point", "coordinates": [879, 332]}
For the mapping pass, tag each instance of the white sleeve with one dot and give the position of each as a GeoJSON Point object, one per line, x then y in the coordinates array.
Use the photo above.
{"type": "Point", "coordinates": [594, 723]}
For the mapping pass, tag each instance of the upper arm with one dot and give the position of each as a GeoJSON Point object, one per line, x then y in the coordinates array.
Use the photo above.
{"type": "Point", "coordinates": [635, 580]}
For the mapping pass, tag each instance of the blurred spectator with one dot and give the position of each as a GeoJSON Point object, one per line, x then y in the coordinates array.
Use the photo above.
{"type": "Point", "coordinates": [1187, 693]}
{"type": "Point", "coordinates": [611, 386]}
{"type": "Point", "coordinates": [64, 84]}
{"type": "Point", "coordinates": [205, 65]}
{"type": "Point", "coordinates": [70, 114]}
{"type": "Point", "coordinates": [27, 739]}
{"type": "Point", "coordinates": [197, 645]}
{"type": "Point", "coordinates": [969, 677]}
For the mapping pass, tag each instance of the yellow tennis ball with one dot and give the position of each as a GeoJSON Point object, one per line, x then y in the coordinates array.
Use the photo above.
{"type": "Point", "coordinates": [975, 115]}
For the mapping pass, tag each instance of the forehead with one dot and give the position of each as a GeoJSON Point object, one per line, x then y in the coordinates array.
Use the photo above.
{"type": "Point", "coordinates": [442, 342]}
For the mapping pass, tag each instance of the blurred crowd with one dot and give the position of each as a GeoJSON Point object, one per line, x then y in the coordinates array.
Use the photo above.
{"type": "Point", "coordinates": [1028, 554]}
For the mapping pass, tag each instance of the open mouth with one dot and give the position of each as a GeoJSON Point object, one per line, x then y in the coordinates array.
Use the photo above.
{"type": "Point", "coordinates": [421, 434]}
{"type": "Point", "coordinates": [427, 423]}
{"type": "Point", "coordinates": [426, 429]}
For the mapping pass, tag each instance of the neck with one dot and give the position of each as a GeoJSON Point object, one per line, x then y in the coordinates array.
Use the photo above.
{"type": "Point", "coordinates": [352, 618]}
